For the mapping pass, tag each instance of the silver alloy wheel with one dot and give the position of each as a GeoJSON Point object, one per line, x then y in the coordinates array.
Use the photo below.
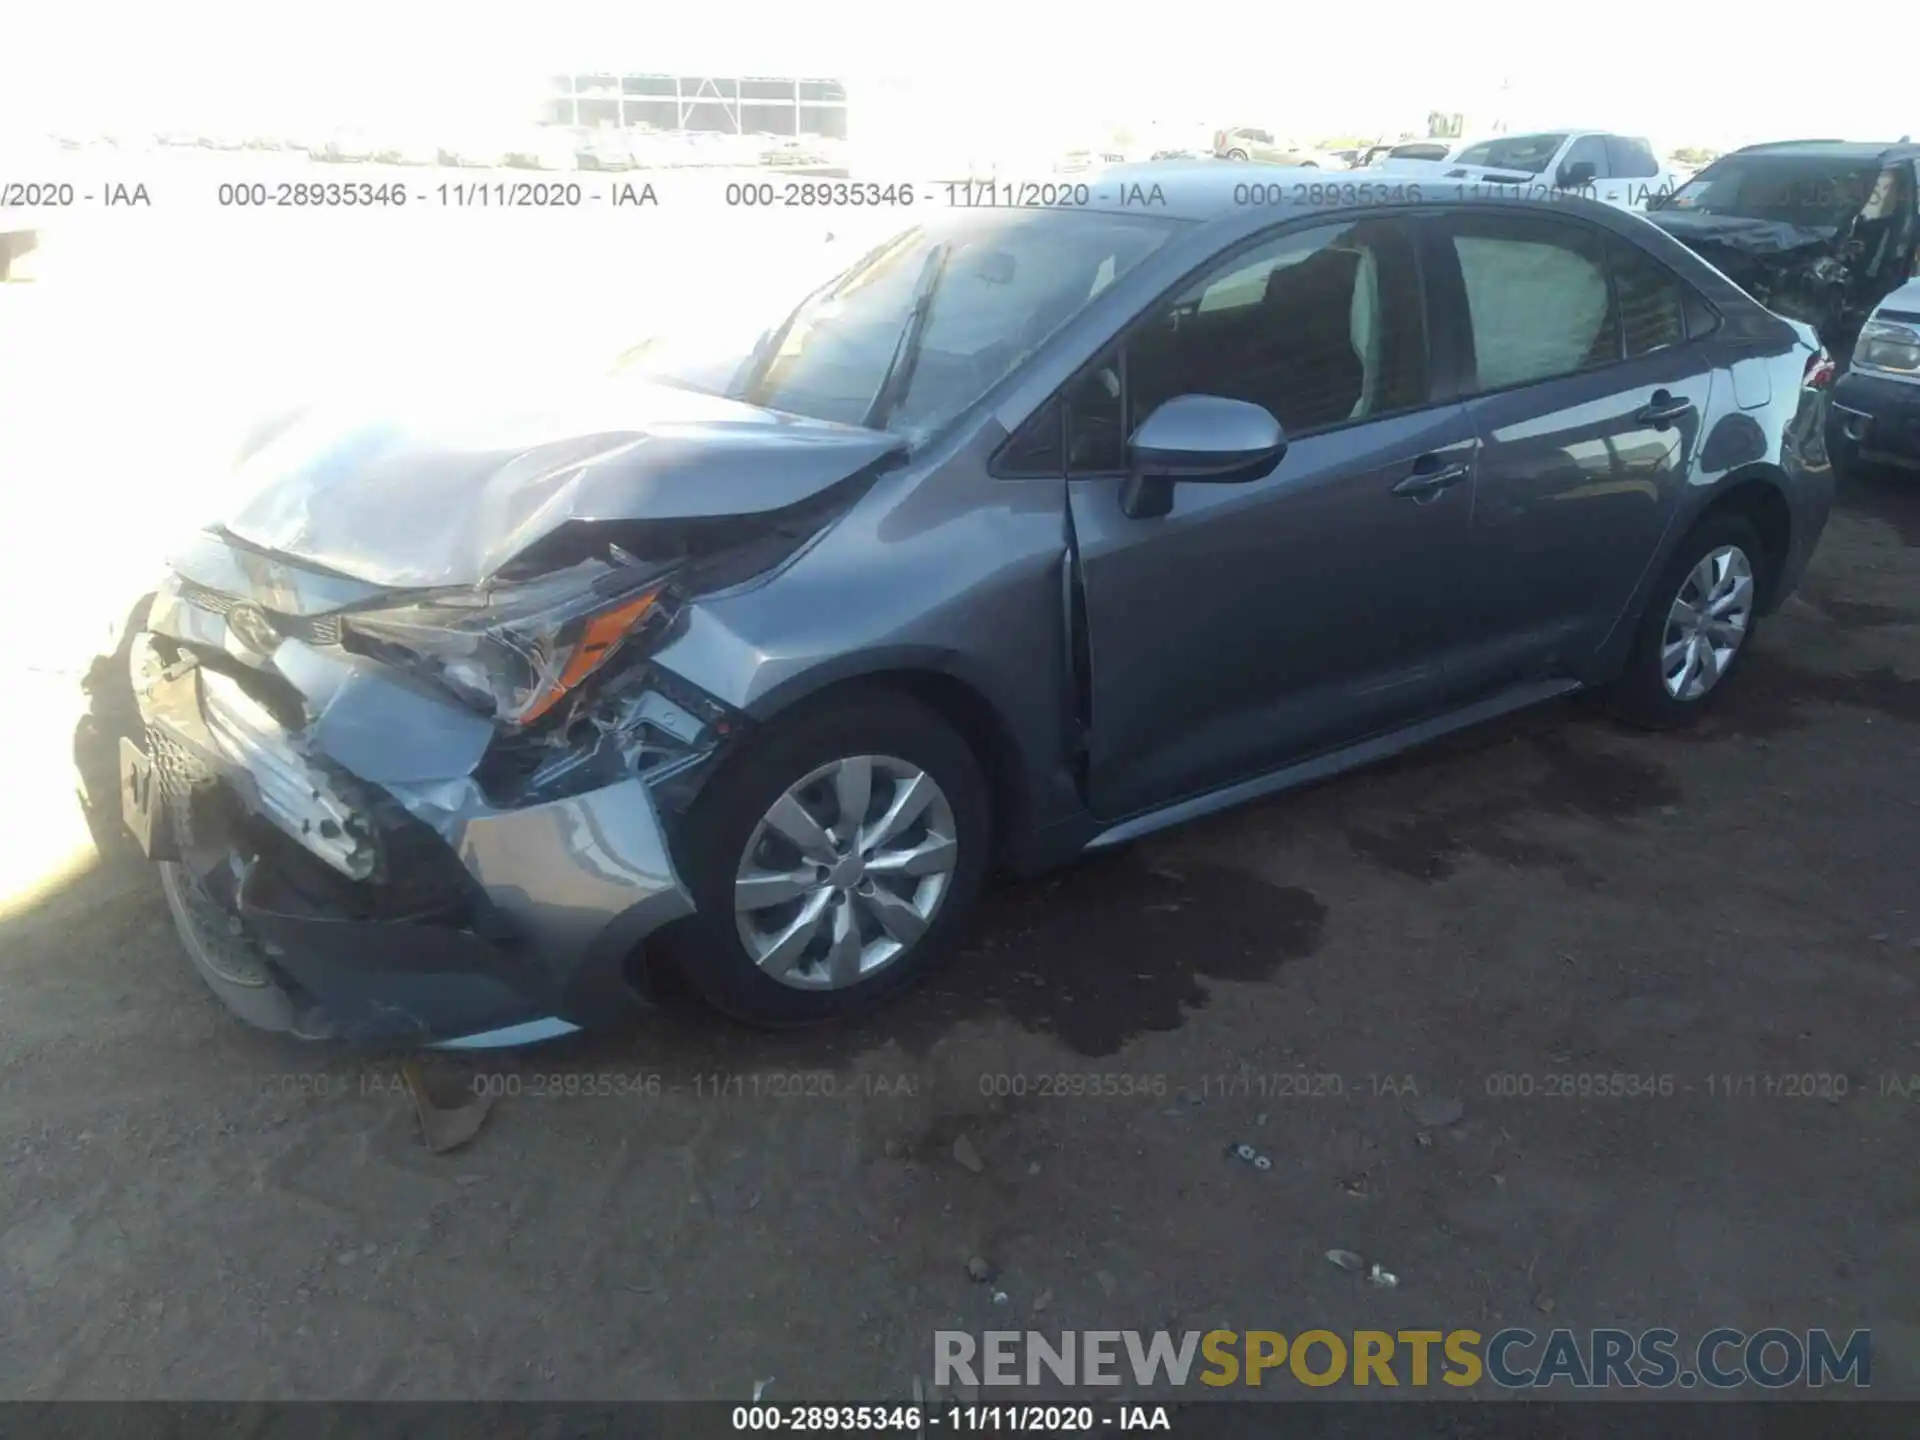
{"type": "Point", "coordinates": [844, 872]}
{"type": "Point", "coordinates": [1707, 623]}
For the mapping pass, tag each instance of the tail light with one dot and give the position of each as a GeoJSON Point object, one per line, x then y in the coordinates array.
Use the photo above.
{"type": "Point", "coordinates": [1819, 372]}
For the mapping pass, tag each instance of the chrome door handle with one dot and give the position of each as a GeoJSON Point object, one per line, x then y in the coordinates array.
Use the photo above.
{"type": "Point", "coordinates": [1426, 484]}
{"type": "Point", "coordinates": [1663, 411]}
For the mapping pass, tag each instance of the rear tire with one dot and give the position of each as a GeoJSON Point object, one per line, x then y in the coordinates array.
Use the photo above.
{"type": "Point", "coordinates": [847, 952]}
{"type": "Point", "coordinates": [1660, 688]}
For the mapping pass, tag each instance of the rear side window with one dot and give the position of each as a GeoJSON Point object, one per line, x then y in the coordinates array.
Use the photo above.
{"type": "Point", "coordinates": [1702, 318]}
{"type": "Point", "coordinates": [1631, 158]}
{"type": "Point", "coordinates": [1537, 297]}
{"type": "Point", "coordinates": [1591, 150]}
{"type": "Point", "coordinates": [1652, 308]}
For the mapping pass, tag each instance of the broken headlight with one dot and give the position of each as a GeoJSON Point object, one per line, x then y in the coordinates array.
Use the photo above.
{"type": "Point", "coordinates": [518, 650]}
{"type": "Point", "coordinates": [1886, 346]}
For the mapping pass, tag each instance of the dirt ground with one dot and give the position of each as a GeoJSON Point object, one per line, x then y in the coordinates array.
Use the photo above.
{"type": "Point", "coordinates": [186, 1217]}
{"type": "Point", "coordinates": [189, 1209]}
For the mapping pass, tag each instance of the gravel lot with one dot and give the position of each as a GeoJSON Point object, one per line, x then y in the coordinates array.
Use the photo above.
{"type": "Point", "coordinates": [192, 1210]}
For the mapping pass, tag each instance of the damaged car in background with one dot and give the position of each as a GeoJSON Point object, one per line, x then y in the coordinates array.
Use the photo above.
{"type": "Point", "coordinates": [1874, 419]}
{"type": "Point", "coordinates": [1817, 230]}
{"type": "Point", "coordinates": [1031, 533]}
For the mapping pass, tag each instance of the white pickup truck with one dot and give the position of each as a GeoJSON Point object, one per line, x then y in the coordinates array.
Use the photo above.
{"type": "Point", "coordinates": [1620, 170]}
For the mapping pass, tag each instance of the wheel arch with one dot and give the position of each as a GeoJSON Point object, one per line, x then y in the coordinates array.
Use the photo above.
{"type": "Point", "coordinates": [935, 682]}
{"type": "Point", "coordinates": [1757, 493]}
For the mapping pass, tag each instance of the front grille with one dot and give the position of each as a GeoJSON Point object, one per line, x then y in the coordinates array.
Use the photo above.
{"type": "Point", "coordinates": [175, 769]}
{"type": "Point", "coordinates": [309, 629]}
{"type": "Point", "coordinates": [199, 807]}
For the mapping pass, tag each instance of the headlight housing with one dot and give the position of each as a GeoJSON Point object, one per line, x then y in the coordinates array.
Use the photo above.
{"type": "Point", "coordinates": [521, 649]}
{"type": "Point", "coordinates": [1886, 346]}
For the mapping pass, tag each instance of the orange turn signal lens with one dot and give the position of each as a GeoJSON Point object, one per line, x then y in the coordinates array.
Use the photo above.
{"type": "Point", "coordinates": [600, 637]}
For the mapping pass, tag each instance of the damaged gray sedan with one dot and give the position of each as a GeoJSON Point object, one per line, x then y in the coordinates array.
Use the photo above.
{"type": "Point", "coordinates": [1031, 533]}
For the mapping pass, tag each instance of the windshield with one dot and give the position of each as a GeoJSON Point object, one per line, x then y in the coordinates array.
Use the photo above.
{"type": "Point", "coordinates": [925, 323]}
{"type": "Point", "coordinates": [1796, 190]}
{"type": "Point", "coordinates": [1529, 153]}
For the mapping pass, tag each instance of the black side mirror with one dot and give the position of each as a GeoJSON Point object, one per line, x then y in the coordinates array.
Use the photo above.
{"type": "Point", "coordinates": [1197, 439]}
{"type": "Point", "coordinates": [1576, 174]}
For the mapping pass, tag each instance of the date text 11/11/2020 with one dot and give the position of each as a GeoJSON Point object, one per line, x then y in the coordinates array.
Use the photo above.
{"type": "Point", "coordinates": [742, 195]}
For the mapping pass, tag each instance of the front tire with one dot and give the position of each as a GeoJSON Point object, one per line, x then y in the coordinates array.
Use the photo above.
{"type": "Point", "coordinates": [1697, 628]}
{"type": "Point", "coordinates": [832, 862]}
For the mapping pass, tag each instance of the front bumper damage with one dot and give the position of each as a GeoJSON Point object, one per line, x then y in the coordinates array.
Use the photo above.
{"type": "Point", "coordinates": [334, 814]}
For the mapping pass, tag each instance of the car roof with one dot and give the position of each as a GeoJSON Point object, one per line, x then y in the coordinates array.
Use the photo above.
{"type": "Point", "coordinates": [1833, 149]}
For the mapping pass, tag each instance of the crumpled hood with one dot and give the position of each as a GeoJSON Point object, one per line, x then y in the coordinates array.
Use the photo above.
{"type": "Point", "coordinates": [447, 495]}
{"type": "Point", "coordinates": [1702, 231]}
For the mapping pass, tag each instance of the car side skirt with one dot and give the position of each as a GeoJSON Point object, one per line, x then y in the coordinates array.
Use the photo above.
{"type": "Point", "coordinates": [1333, 762]}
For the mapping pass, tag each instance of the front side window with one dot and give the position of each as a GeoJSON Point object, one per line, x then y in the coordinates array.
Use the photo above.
{"type": "Point", "coordinates": [1536, 297]}
{"type": "Point", "coordinates": [1528, 153]}
{"type": "Point", "coordinates": [1321, 327]}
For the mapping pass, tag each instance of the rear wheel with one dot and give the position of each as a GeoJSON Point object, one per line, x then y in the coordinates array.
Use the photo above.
{"type": "Point", "coordinates": [833, 862]}
{"type": "Point", "coordinates": [1236, 155]}
{"type": "Point", "coordinates": [1697, 628]}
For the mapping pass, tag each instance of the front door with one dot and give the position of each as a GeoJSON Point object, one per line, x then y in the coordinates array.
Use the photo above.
{"type": "Point", "coordinates": [1261, 622]}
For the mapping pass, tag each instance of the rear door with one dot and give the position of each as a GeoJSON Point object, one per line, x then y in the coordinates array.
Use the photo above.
{"type": "Point", "coordinates": [1260, 622]}
{"type": "Point", "coordinates": [1588, 400]}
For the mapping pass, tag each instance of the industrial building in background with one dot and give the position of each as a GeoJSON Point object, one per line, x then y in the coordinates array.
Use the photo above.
{"type": "Point", "coordinates": [713, 104]}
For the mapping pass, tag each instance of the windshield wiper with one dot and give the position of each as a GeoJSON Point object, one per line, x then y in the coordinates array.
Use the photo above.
{"type": "Point", "coordinates": [751, 384]}
{"type": "Point", "coordinates": [906, 354]}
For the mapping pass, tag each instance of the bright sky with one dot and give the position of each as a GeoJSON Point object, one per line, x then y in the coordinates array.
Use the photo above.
{"type": "Point", "coordinates": [1683, 73]}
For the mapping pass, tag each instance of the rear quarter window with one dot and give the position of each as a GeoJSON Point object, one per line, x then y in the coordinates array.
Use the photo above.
{"type": "Point", "coordinates": [1631, 158]}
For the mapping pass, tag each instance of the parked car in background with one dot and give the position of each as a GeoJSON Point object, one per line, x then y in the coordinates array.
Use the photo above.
{"type": "Point", "coordinates": [1252, 143]}
{"type": "Point", "coordinates": [1876, 402]}
{"type": "Point", "coordinates": [406, 150]}
{"type": "Point", "coordinates": [1092, 157]}
{"type": "Point", "coordinates": [471, 151]}
{"type": "Point", "coordinates": [1819, 230]}
{"type": "Point", "coordinates": [1404, 150]}
{"type": "Point", "coordinates": [345, 146]}
{"type": "Point", "coordinates": [606, 148]}
{"type": "Point", "coordinates": [795, 151]}
{"type": "Point", "coordinates": [544, 147]}
{"type": "Point", "coordinates": [768, 661]}
{"type": "Point", "coordinates": [1620, 170]}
